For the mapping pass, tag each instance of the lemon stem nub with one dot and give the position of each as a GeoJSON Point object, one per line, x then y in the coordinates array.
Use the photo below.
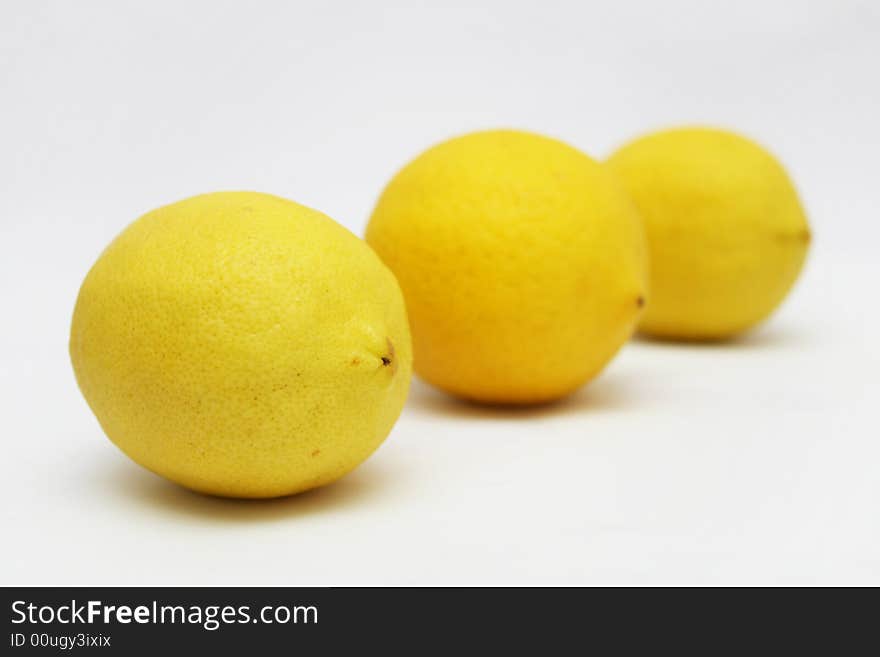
{"type": "Point", "coordinates": [388, 358]}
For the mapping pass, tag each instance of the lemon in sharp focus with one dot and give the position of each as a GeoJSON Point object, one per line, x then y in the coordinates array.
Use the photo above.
{"type": "Point", "coordinates": [726, 231]}
{"type": "Point", "coordinates": [521, 260]}
{"type": "Point", "coordinates": [242, 345]}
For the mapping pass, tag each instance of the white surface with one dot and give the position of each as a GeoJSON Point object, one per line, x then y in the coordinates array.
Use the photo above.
{"type": "Point", "coordinates": [748, 463]}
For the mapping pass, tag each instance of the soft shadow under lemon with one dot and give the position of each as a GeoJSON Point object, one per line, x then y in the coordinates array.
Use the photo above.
{"type": "Point", "coordinates": [609, 393]}
{"type": "Point", "coordinates": [142, 488]}
{"type": "Point", "coordinates": [764, 337]}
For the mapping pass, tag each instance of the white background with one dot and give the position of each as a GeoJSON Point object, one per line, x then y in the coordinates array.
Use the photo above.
{"type": "Point", "coordinates": [754, 462]}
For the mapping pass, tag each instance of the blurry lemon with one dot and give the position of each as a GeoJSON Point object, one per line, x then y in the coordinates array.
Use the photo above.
{"type": "Point", "coordinates": [243, 345]}
{"type": "Point", "coordinates": [726, 231]}
{"type": "Point", "coordinates": [521, 260]}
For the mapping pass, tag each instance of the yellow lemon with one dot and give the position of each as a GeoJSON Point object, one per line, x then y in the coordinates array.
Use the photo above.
{"type": "Point", "coordinates": [726, 231]}
{"type": "Point", "coordinates": [521, 260]}
{"type": "Point", "coordinates": [242, 345]}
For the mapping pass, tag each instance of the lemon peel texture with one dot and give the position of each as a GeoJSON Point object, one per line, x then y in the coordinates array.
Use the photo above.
{"type": "Point", "coordinates": [242, 345]}
{"type": "Point", "coordinates": [522, 262]}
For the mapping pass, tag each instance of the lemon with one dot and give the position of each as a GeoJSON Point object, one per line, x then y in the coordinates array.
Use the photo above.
{"type": "Point", "coordinates": [521, 260]}
{"type": "Point", "coordinates": [726, 231]}
{"type": "Point", "coordinates": [242, 345]}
